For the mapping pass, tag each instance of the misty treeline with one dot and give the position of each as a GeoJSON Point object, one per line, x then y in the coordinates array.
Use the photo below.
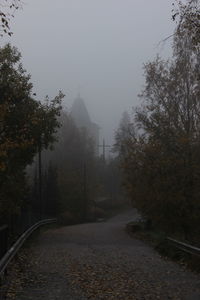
{"type": "Point", "coordinates": [48, 167]}
{"type": "Point", "coordinates": [75, 179]}
{"type": "Point", "coordinates": [159, 143]}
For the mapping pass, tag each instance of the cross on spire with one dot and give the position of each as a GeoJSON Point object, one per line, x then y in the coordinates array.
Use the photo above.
{"type": "Point", "coordinates": [104, 149]}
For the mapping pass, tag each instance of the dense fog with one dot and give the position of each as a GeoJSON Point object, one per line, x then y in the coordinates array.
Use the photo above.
{"type": "Point", "coordinates": [99, 146]}
{"type": "Point", "coordinates": [93, 47]}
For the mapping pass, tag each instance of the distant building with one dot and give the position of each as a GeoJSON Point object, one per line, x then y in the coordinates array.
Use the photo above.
{"type": "Point", "coordinates": [82, 119]}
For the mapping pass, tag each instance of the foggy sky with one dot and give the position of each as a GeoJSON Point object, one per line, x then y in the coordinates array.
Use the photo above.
{"type": "Point", "coordinates": [97, 47]}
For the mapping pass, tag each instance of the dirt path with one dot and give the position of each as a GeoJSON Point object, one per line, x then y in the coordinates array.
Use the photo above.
{"type": "Point", "coordinates": [100, 261]}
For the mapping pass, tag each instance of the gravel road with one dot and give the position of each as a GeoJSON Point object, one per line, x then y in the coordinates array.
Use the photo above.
{"type": "Point", "coordinates": [98, 261]}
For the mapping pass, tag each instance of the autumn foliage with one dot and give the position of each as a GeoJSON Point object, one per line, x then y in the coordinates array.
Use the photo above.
{"type": "Point", "coordinates": [159, 147]}
{"type": "Point", "coordinates": [25, 126]}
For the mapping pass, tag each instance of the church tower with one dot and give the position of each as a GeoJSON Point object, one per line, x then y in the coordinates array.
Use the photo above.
{"type": "Point", "coordinates": [82, 119]}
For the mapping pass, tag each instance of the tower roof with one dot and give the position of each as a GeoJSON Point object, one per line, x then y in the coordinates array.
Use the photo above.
{"type": "Point", "coordinates": [80, 113]}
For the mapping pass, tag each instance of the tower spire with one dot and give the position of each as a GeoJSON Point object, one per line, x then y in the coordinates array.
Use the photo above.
{"type": "Point", "coordinates": [79, 91]}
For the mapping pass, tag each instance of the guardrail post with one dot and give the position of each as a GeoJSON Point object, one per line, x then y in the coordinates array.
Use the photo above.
{"type": "Point", "coordinates": [3, 240]}
{"type": "Point", "coordinates": [2, 291]}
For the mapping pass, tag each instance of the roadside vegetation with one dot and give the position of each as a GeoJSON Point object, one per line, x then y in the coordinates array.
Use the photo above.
{"type": "Point", "coordinates": [27, 127]}
{"type": "Point", "coordinates": [159, 143]}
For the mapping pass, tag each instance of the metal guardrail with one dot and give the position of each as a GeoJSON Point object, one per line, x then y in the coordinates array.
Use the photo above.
{"type": "Point", "coordinates": [17, 245]}
{"type": "Point", "coordinates": [177, 244]}
{"type": "Point", "coordinates": [184, 247]}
